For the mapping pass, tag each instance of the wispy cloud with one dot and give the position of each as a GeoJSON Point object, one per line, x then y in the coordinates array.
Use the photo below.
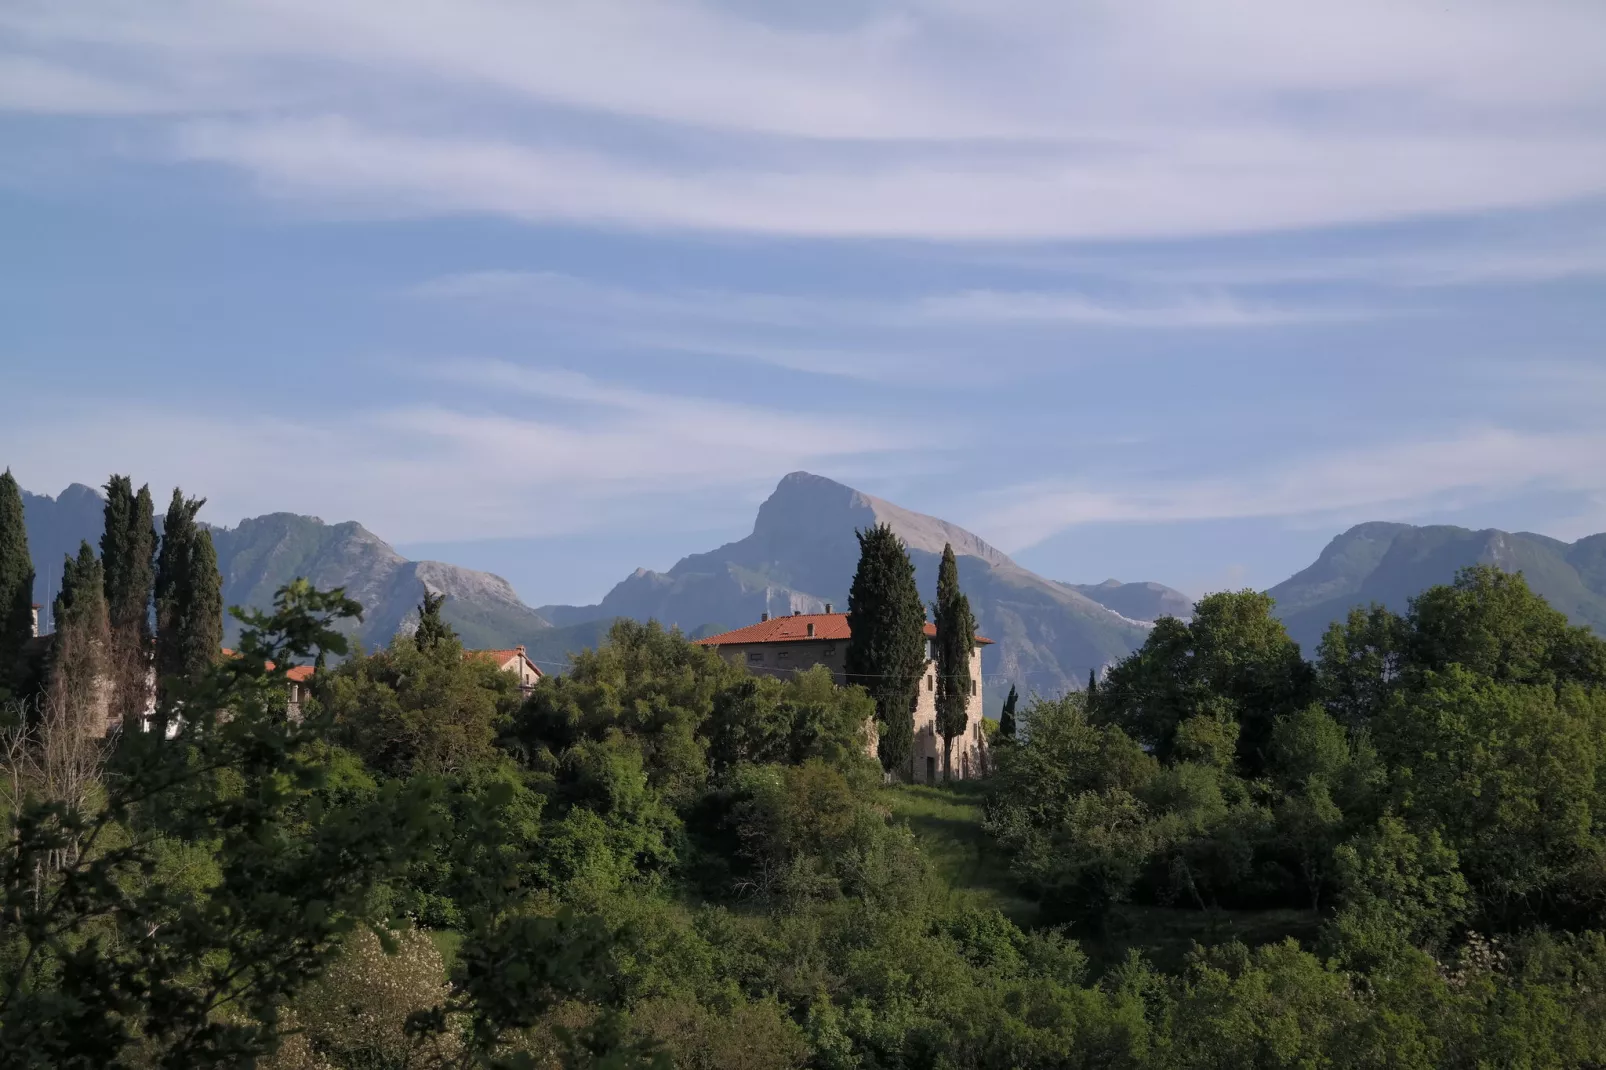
{"type": "Point", "coordinates": [1016, 120]}
{"type": "Point", "coordinates": [1400, 481]}
{"type": "Point", "coordinates": [455, 469]}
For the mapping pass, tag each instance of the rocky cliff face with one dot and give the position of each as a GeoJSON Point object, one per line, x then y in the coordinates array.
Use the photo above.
{"type": "Point", "coordinates": [802, 554]}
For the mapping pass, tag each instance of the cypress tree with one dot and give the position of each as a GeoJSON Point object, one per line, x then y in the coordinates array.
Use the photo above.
{"type": "Point", "coordinates": [78, 691]}
{"type": "Point", "coordinates": [887, 651]}
{"type": "Point", "coordinates": [81, 595]}
{"type": "Point", "coordinates": [1006, 719]}
{"type": "Point", "coordinates": [189, 595]}
{"type": "Point", "coordinates": [956, 641]}
{"type": "Point", "coordinates": [128, 558]}
{"type": "Point", "coordinates": [172, 568]}
{"type": "Point", "coordinates": [201, 619]}
{"type": "Point", "coordinates": [431, 628]}
{"type": "Point", "coordinates": [16, 582]}
{"type": "Point", "coordinates": [1091, 701]}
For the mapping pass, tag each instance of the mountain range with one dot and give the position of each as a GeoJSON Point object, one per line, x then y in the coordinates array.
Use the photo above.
{"type": "Point", "coordinates": [800, 557]}
{"type": "Point", "coordinates": [1388, 563]}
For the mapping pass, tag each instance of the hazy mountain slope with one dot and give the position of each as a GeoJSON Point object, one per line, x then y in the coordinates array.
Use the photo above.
{"type": "Point", "coordinates": [56, 526]}
{"type": "Point", "coordinates": [264, 553]}
{"type": "Point", "coordinates": [1140, 601]}
{"type": "Point", "coordinates": [802, 554]}
{"type": "Point", "coordinates": [1389, 563]}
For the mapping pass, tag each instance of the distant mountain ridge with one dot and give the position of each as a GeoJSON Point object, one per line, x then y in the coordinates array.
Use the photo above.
{"type": "Point", "coordinates": [1389, 563]}
{"type": "Point", "coordinates": [263, 553]}
{"type": "Point", "coordinates": [1146, 602]}
{"type": "Point", "coordinates": [802, 554]}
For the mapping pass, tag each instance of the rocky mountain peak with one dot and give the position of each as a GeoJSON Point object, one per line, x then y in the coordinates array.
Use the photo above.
{"type": "Point", "coordinates": [809, 508]}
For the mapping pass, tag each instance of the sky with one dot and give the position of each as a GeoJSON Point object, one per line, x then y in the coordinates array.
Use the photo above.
{"type": "Point", "coordinates": [1145, 289]}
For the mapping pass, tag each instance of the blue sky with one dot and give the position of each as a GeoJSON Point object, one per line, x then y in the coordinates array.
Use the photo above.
{"type": "Point", "coordinates": [1154, 290]}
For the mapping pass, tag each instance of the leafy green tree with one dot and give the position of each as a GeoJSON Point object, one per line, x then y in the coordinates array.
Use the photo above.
{"type": "Point", "coordinates": [1232, 659]}
{"type": "Point", "coordinates": [128, 556]}
{"type": "Point", "coordinates": [956, 642]}
{"type": "Point", "coordinates": [1006, 716]}
{"type": "Point", "coordinates": [1509, 774]}
{"type": "Point", "coordinates": [431, 628]}
{"type": "Point", "coordinates": [645, 684]}
{"type": "Point", "coordinates": [1400, 885]}
{"type": "Point", "coordinates": [764, 721]}
{"type": "Point", "coordinates": [410, 710]}
{"type": "Point", "coordinates": [16, 583]}
{"type": "Point", "coordinates": [1358, 660]}
{"type": "Point", "coordinates": [1491, 623]}
{"type": "Point", "coordinates": [887, 652]}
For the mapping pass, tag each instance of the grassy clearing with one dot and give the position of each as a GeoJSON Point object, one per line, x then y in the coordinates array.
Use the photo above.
{"type": "Point", "coordinates": [946, 822]}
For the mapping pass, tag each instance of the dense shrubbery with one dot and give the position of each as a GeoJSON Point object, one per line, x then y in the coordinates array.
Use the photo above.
{"type": "Point", "coordinates": [657, 857]}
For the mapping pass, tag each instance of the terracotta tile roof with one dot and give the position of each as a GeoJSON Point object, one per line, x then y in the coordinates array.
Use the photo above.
{"type": "Point", "coordinates": [827, 627]}
{"type": "Point", "coordinates": [296, 674]}
{"type": "Point", "coordinates": [502, 657]}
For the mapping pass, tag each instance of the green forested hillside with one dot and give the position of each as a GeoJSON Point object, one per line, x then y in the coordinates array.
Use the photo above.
{"type": "Point", "coordinates": [1225, 857]}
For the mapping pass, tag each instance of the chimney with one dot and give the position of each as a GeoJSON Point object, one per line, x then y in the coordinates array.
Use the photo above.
{"type": "Point", "coordinates": [811, 629]}
{"type": "Point", "coordinates": [519, 649]}
{"type": "Point", "coordinates": [762, 617]}
{"type": "Point", "coordinates": [828, 607]}
{"type": "Point", "coordinates": [797, 612]}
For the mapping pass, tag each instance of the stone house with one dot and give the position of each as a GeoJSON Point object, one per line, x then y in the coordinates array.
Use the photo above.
{"type": "Point", "coordinates": [515, 661]}
{"type": "Point", "coordinates": [782, 646]}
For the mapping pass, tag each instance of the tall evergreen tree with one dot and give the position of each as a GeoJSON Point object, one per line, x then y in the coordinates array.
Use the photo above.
{"type": "Point", "coordinates": [16, 582]}
{"type": "Point", "coordinates": [1006, 719]}
{"type": "Point", "coordinates": [78, 696]}
{"type": "Point", "coordinates": [431, 628]}
{"type": "Point", "coordinates": [956, 642]}
{"type": "Point", "coordinates": [189, 595]}
{"type": "Point", "coordinates": [1092, 690]}
{"type": "Point", "coordinates": [128, 557]}
{"type": "Point", "coordinates": [82, 588]}
{"type": "Point", "coordinates": [202, 619]}
{"type": "Point", "coordinates": [172, 570]}
{"type": "Point", "coordinates": [887, 651]}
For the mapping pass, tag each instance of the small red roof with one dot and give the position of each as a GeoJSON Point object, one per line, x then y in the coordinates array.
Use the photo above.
{"type": "Point", "coordinates": [296, 674]}
{"type": "Point", "coordinates": [502, 657]}
{"type": "Point", "coordinates": [827, 627]}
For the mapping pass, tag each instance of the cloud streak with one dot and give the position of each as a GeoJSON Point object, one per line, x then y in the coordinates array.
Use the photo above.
{"type": "Point", "coordinates": [1020, 120]}
{"type": "Point", "coordinates": [455, 469]}
{"type": "Point", "coordinates": [1402, 480]}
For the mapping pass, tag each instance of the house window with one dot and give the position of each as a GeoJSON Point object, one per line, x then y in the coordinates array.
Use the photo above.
{"type": "Point", "coordinates": [931, 683]}
{"type": "Point", "coordinates": [974, 684]}
{"type": "Point", "coordinates": [783, 655]}
{"type": "Point", "coordinates": [755, 657]}
{"type": "Point", "coordinates": [830, 648]}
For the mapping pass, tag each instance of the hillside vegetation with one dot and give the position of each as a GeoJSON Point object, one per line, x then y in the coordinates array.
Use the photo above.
{"type": "Point", "coordinates": [1227, 858]}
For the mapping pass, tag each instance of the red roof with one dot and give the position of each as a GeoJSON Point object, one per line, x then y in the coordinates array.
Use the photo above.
{"type": "Point", "coordinates": [296, 674]}
{"type": "Point", "coordinates": [827, 626]}
{"type": "Point", "coordinates": [502, 657]}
